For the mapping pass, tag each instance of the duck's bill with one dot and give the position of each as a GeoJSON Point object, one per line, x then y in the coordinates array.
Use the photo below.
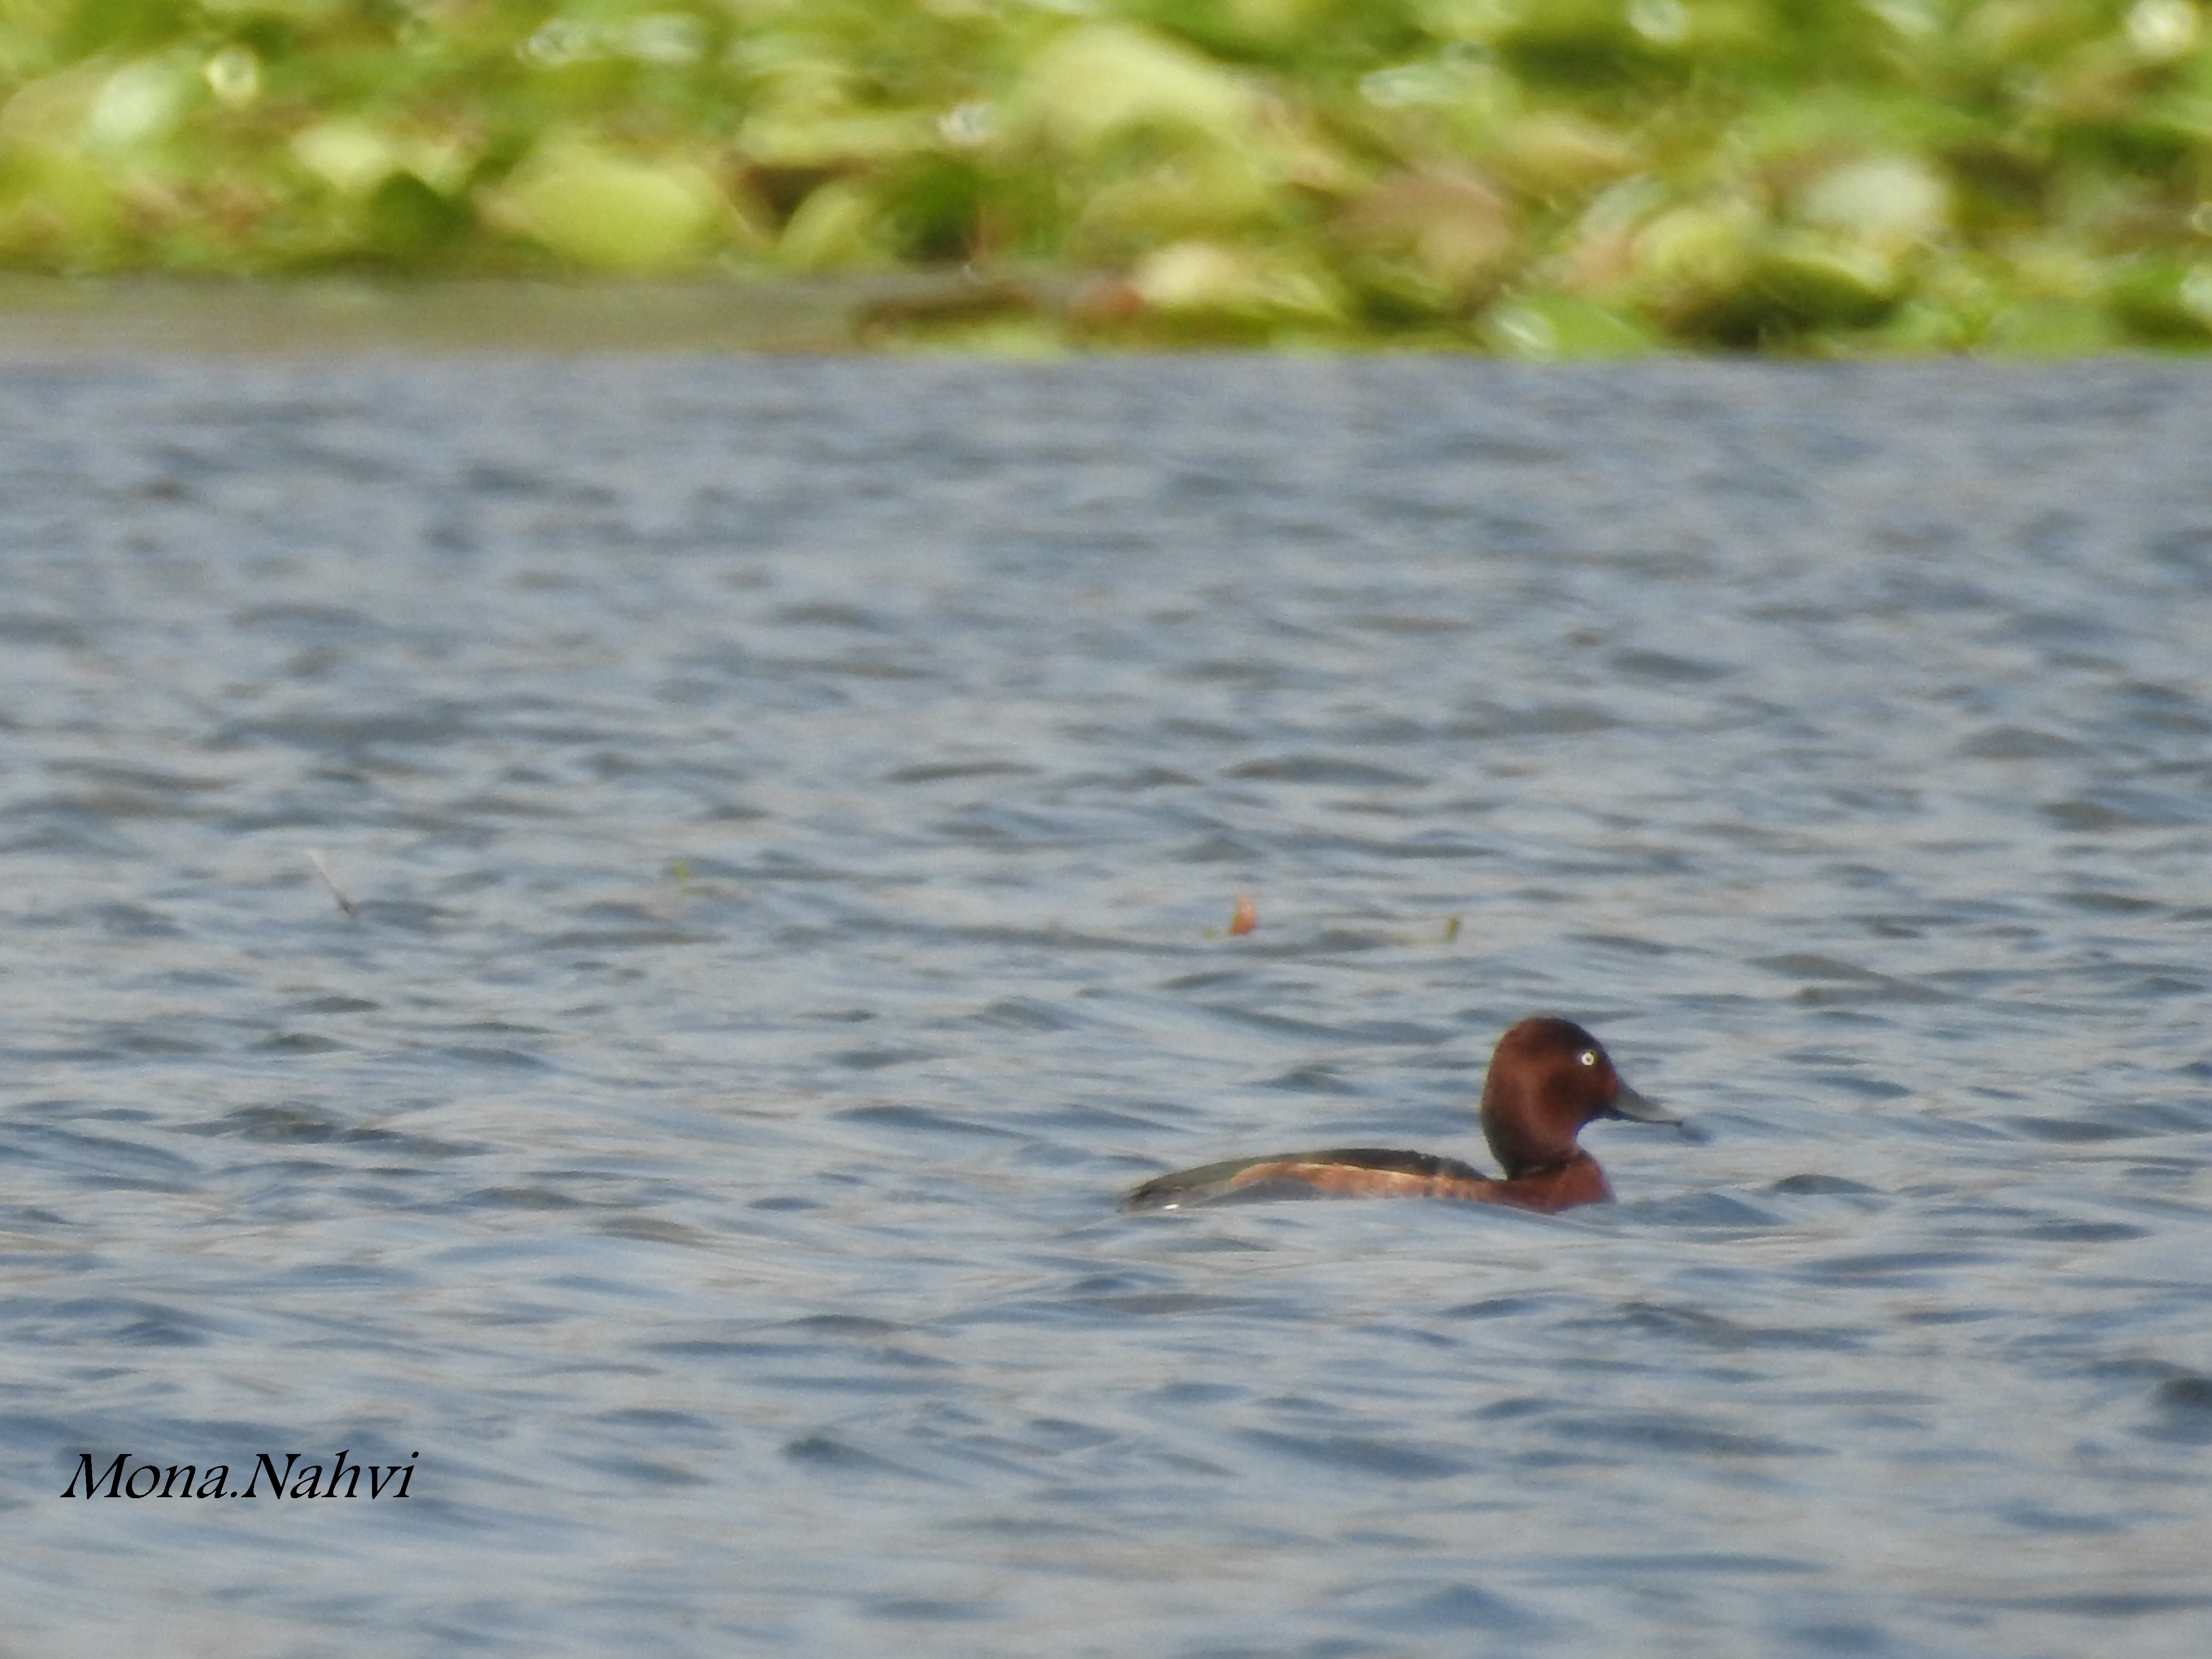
{"type": "Point", "coordinates": [1640, 1108]}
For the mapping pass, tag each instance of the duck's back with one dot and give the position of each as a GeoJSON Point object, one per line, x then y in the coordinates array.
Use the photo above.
{"type": "Point", "coordinates": [1334, 1172]}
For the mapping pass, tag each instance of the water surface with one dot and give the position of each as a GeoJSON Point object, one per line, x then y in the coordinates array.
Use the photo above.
{"type": "Point", "coordinates": [793, 811]}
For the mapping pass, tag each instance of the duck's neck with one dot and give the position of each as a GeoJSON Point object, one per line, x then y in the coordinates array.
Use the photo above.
{"type": "Point", "coordinates": [1525, 1142]}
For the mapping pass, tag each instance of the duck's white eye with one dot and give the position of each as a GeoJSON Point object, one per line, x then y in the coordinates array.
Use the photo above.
{"type": "Point", "coordinates": [1588, 1057]}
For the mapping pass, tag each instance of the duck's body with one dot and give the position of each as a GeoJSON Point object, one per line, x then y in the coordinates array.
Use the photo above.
{"type": "Point", "coordinates": [1372, 1172]}
{"type": "Point", "coordinates": [1547, 1078]}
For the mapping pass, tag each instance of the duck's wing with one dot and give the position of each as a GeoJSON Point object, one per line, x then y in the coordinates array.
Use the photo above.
{"type": "Point", "coordinates": [1334, 1172]}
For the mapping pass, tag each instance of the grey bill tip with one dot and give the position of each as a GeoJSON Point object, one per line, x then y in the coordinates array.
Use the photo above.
{"type": "Point", "coordinates": [1630, 1104]}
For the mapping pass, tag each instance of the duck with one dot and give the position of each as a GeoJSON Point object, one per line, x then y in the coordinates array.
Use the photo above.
{"type": "Point", "coordinates": [1547, 1078]}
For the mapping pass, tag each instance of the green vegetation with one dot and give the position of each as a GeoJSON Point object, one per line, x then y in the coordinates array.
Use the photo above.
{"type": "Point", "coordinates": [1535, 177]}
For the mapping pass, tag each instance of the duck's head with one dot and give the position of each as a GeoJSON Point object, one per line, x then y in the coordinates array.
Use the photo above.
{"type": "Point", "coordinates": [1548, 1077]}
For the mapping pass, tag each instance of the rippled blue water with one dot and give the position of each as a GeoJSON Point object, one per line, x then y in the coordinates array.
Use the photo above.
{"type": "Point", "coordinates": [793, 809]}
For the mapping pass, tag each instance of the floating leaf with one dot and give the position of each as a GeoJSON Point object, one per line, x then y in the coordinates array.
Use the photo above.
{"type": "Point", "coordinates": [611, 213]}
{"type": "Point", "coordinates": [1102, 82]}
{"type": "Point", "coordinates": [1888, 202]}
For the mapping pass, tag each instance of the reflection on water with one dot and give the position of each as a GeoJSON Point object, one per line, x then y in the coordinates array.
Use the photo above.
{"type": "Point", "coordinates": [46, 317]}
{"type": "Point", "coordinates": [793, 811]}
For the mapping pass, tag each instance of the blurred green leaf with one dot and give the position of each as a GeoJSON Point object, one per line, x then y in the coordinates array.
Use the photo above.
{"type": "Point", "coordinates": [609, 212]}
